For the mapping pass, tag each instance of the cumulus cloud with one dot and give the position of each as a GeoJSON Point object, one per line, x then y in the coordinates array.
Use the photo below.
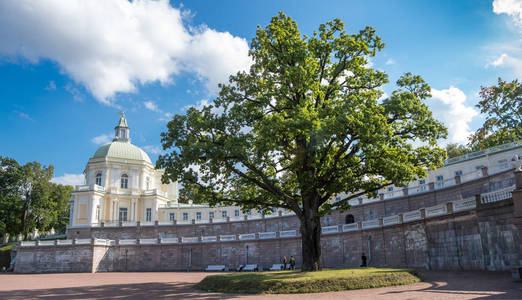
{"type": "Point", "coordinates": [450, 107]}
{"type": "Point", "coordinates": [150, 105]}
{"type": "Point", "coordinates": [113, 46]}
{"type": "Point", "coordinates": [102, 139]}
{"type": "Point", "coordinates": [512, 8]}
{"type": "Point", "coordinates": [153, 149]}
{"type": "Point", "coordinates": [69, 179]}
{"type": "Point", "coordinates": [390, 62]}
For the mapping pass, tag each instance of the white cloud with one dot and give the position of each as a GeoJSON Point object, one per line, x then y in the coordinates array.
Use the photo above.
{"type": "Point", "coordinates": [75, 92]}
{"type": "Point", "coordinates": [24, 115]}
{"type": "Point", "coordinates": [499, 61]}
{"type": "Point", "coordinates": [150, 105]}
{"type": "Point", "coordinates": [69, 179]}
{"type": "Point", "coordinates": [113, 46]}
{"type": "Point", "coordinates": [102, 139]}
{"type": "Point", "coordinates": [451, 108]}
{"type": "Point", "coordinates": [512, 8]}
{"type": "Point", "coordinates": [390, 62]}
{"type": "Point", "coordinates": [505, 60]}
{"type": "Point", "coordinates": [51, 86]}
{"type": "Point", "coordinates": [153, 149]}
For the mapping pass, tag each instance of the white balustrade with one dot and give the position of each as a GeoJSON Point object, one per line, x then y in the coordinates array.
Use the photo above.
{"type": "Point", "coordinates": [370, 224]}
{"type": "Point", "coordinates": [411, 216]}
{"type": "Point", "coordinates": [64, 242]}
{"type": "Point", "coordinates": [495, 196]}
{"type": "Point", "coordinates": [45, 243]}
{"type": "Point", "coordinates": [391, 220]}
{"type": "Point", "coordinates": [193, 239]}
{"type": "Point", "coordinates": [83, 241]}
{"type": "Point", "coordinates": [288, 233]}
{"type": "Point", "coordinates": [227, 237]}
{"type": "Point", "coordinates": [330, 229]}
{"type": "Point", "coordinates": [101, 242]}
{"type": "Point", "coordinates": [128, 242]}
{"type": "Point", "coordinates": [27, 243]}
{"type": "Point", "coordinates": [169, 241]}
{"type": "Point", "coordinates": [350, 227]}
{"type": "Point", "coordinates": [208, 239]}
{"type": "Point", "coordinates": [437, 210]}
{"type": "Point", "coordinates": [247, 236]}
{"type": "Point", "coordinates": [465, 204]}
{"type": "Point", "coordinates": [148, 241]}
{"type": "Point", "coordinates": [267, 235]}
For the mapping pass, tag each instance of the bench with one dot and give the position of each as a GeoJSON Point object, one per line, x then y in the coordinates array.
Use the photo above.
{"type": "Point", "coordinates": [276, 267]}
{"type": "Point", "coordinates": [252, 268]}
{"type": "Point", "coordinates": [213, 268]}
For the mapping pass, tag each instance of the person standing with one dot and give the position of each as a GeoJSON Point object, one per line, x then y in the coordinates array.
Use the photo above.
{"type": "Point", "coordinates": [363, 260]}
{"type": "Point", "coordinates": [292, 262]}
{"type": "Point", "coordinates": [284, 262]}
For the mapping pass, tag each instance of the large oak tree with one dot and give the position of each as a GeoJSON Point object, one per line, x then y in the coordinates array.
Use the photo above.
{"type": "Point", "coordinates": [305, 123]}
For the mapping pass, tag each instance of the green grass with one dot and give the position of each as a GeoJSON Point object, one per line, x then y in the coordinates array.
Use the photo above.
{"type": "Point", "coordinates": [288, 282]}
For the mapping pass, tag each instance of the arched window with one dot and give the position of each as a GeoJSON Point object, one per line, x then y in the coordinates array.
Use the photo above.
{"type": "Point", "coordinates": [98, 178]}
{"type": "Point", "coordinates": [349, 219]}
{"type": "Point", "coordinates": [124, 181]}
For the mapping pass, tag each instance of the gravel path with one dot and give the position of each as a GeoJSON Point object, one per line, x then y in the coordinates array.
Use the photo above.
{"type": "Point", "coordinates": [173, 285]}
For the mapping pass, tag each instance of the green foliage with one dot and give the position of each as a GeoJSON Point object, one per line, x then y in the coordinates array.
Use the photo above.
{"type": "Point", "coordinates": [29, 200]}
{"type": "Point", "coordinates": [502, 105]}
{"type": "Point", "coordinates": [305, 123]}
{"type": "Point", "coordinates": [289, 282]}
{"type": "Point", "coordinates": [454, 150]}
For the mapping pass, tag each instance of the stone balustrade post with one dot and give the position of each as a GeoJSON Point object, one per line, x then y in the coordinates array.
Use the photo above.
{"type": "Point", "coordinates": [380, 222]}
{"type": "Point", "coordinates": [431, 186]}
{"type": "Point", "coordinates": [401, 219]}
{"type": "Point", "coordinates": [37, 242]}
{"type": "Point", "coordinates": [405, 191]}
{"type": "Point", "coordinates": [138, 224]}
{"type": "Point", "coordinates": [210, 220]}
{"type": "Point", "coordinates": [484, 171]}
{"type": "Point", "coordinates": [74, 241]}
{"type": "Point", "coordinates": [120, 223]}
{"type": "Point", "coordinates": [245, 217]}
{"type": "Point", "coordinates": [193, 221]}
{"type": "Point", "coordinates": [280, 213]}
{"type": "Point", "coordinates": [174, 222]}
{"type": "Point", "coordinates": [228, 219]}
{"type": "Point", "coordinates": [360, 201]}
{"type": "Point", "coordinates": [423, 213]}
{"type": "Point", "coordinates": [381, 197]}
{"type": "Point", "coordinates": [102, 225]}
{"type": "Point", "coordinates": [359, 225]}
{"type": "Point", "coordinates": [156, 223]}
{"type": "Point", "coordinates": [55, 242]}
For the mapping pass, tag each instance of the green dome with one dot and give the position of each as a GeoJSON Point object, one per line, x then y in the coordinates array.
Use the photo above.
{"type": "Point", "coordinates": [122, 150]}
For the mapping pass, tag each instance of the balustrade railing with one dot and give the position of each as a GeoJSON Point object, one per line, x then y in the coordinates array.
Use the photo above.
{"type": "Point", "coordinates": [330, 229]}
{"type": "Point", "coordinates": [498, 195]}
{"type": "Point", "coordinates": [288, 233]}
{"type": "Point", "coordinates": [267, 235]}
{"type": "Point", "coordinates": [436, 210]}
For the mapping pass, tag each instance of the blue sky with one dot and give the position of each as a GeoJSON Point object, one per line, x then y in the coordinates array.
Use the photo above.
{"type": "Point", "coordinates": [68, 67]}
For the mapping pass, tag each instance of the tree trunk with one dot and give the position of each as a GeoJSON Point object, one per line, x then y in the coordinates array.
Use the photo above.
{"type": "Point", "coordinates": [311, 242]}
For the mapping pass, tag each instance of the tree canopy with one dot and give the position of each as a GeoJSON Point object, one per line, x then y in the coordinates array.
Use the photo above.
{"type": "Point", "coordinates": [29, 200]}
{"type": "Point", "coordinates": [502, 106]}
{"type": "Point", "coordinates": [305, 123]}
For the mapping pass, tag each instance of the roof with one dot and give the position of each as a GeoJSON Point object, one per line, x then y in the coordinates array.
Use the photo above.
{"type": "Point", "coordinates": [122, 150]}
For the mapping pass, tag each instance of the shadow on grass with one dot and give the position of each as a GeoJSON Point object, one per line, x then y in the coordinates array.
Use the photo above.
{"type": "Point", "coordinates": [171, 290]}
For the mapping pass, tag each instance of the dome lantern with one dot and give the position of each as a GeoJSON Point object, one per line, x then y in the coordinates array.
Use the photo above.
{"type": "Point", "coordinates": [122, 130]}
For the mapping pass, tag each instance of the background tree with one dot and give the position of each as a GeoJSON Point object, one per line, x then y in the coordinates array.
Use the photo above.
{"type": "Point", "coordinates": [502, 105]}
{"type": "Point", "coordinates": [303, 125]}
{"type": "Point", "coordinates": [455, 149]}
{"type": "Point", "coordinates": [29, 200]}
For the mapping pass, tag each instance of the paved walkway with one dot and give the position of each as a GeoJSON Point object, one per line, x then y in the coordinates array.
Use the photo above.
{"type": "Point", "coordinates": [438, 285]}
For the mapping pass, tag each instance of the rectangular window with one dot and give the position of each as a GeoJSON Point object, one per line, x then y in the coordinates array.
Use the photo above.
{"type": "Point", "coordinates": [249, 212]}
{"type": "Point", "coordinates": [148, 216]}
{"type": "Point", "coordinates": [390, 189]}
{"type": "Point", "coordinates": [97, 213]}
{"type": "Point", "coordinates": [198, 215]}
{"type": "Point", "coordinates": [440, 181]}
{"type": "Point", "coordinates": [171, 217]}
{"type": "Point", "coordinates": [236, 213]}
{"type": "Point", "coordinates": [422, 185]}
{"type": "Point", "coordinates": [211, 215]}
{"type": "Point", "coordinates": [123, 214]}
{"type": "Point", "coordinates": [458, 173]}
{"type": "Point", "coordinates": [185, 216]}
{"type": "Point", "coordinates": [224, 214]}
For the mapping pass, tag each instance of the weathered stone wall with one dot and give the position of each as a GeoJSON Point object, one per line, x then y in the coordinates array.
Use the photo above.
{"type": "Point", "coordinates": [362, 212]}
{"type": "Point", "coordinates": [481, 239]}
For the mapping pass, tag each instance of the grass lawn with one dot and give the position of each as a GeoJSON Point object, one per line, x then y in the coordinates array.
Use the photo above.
{"type": "Point", "coordinates": [288, 282]}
